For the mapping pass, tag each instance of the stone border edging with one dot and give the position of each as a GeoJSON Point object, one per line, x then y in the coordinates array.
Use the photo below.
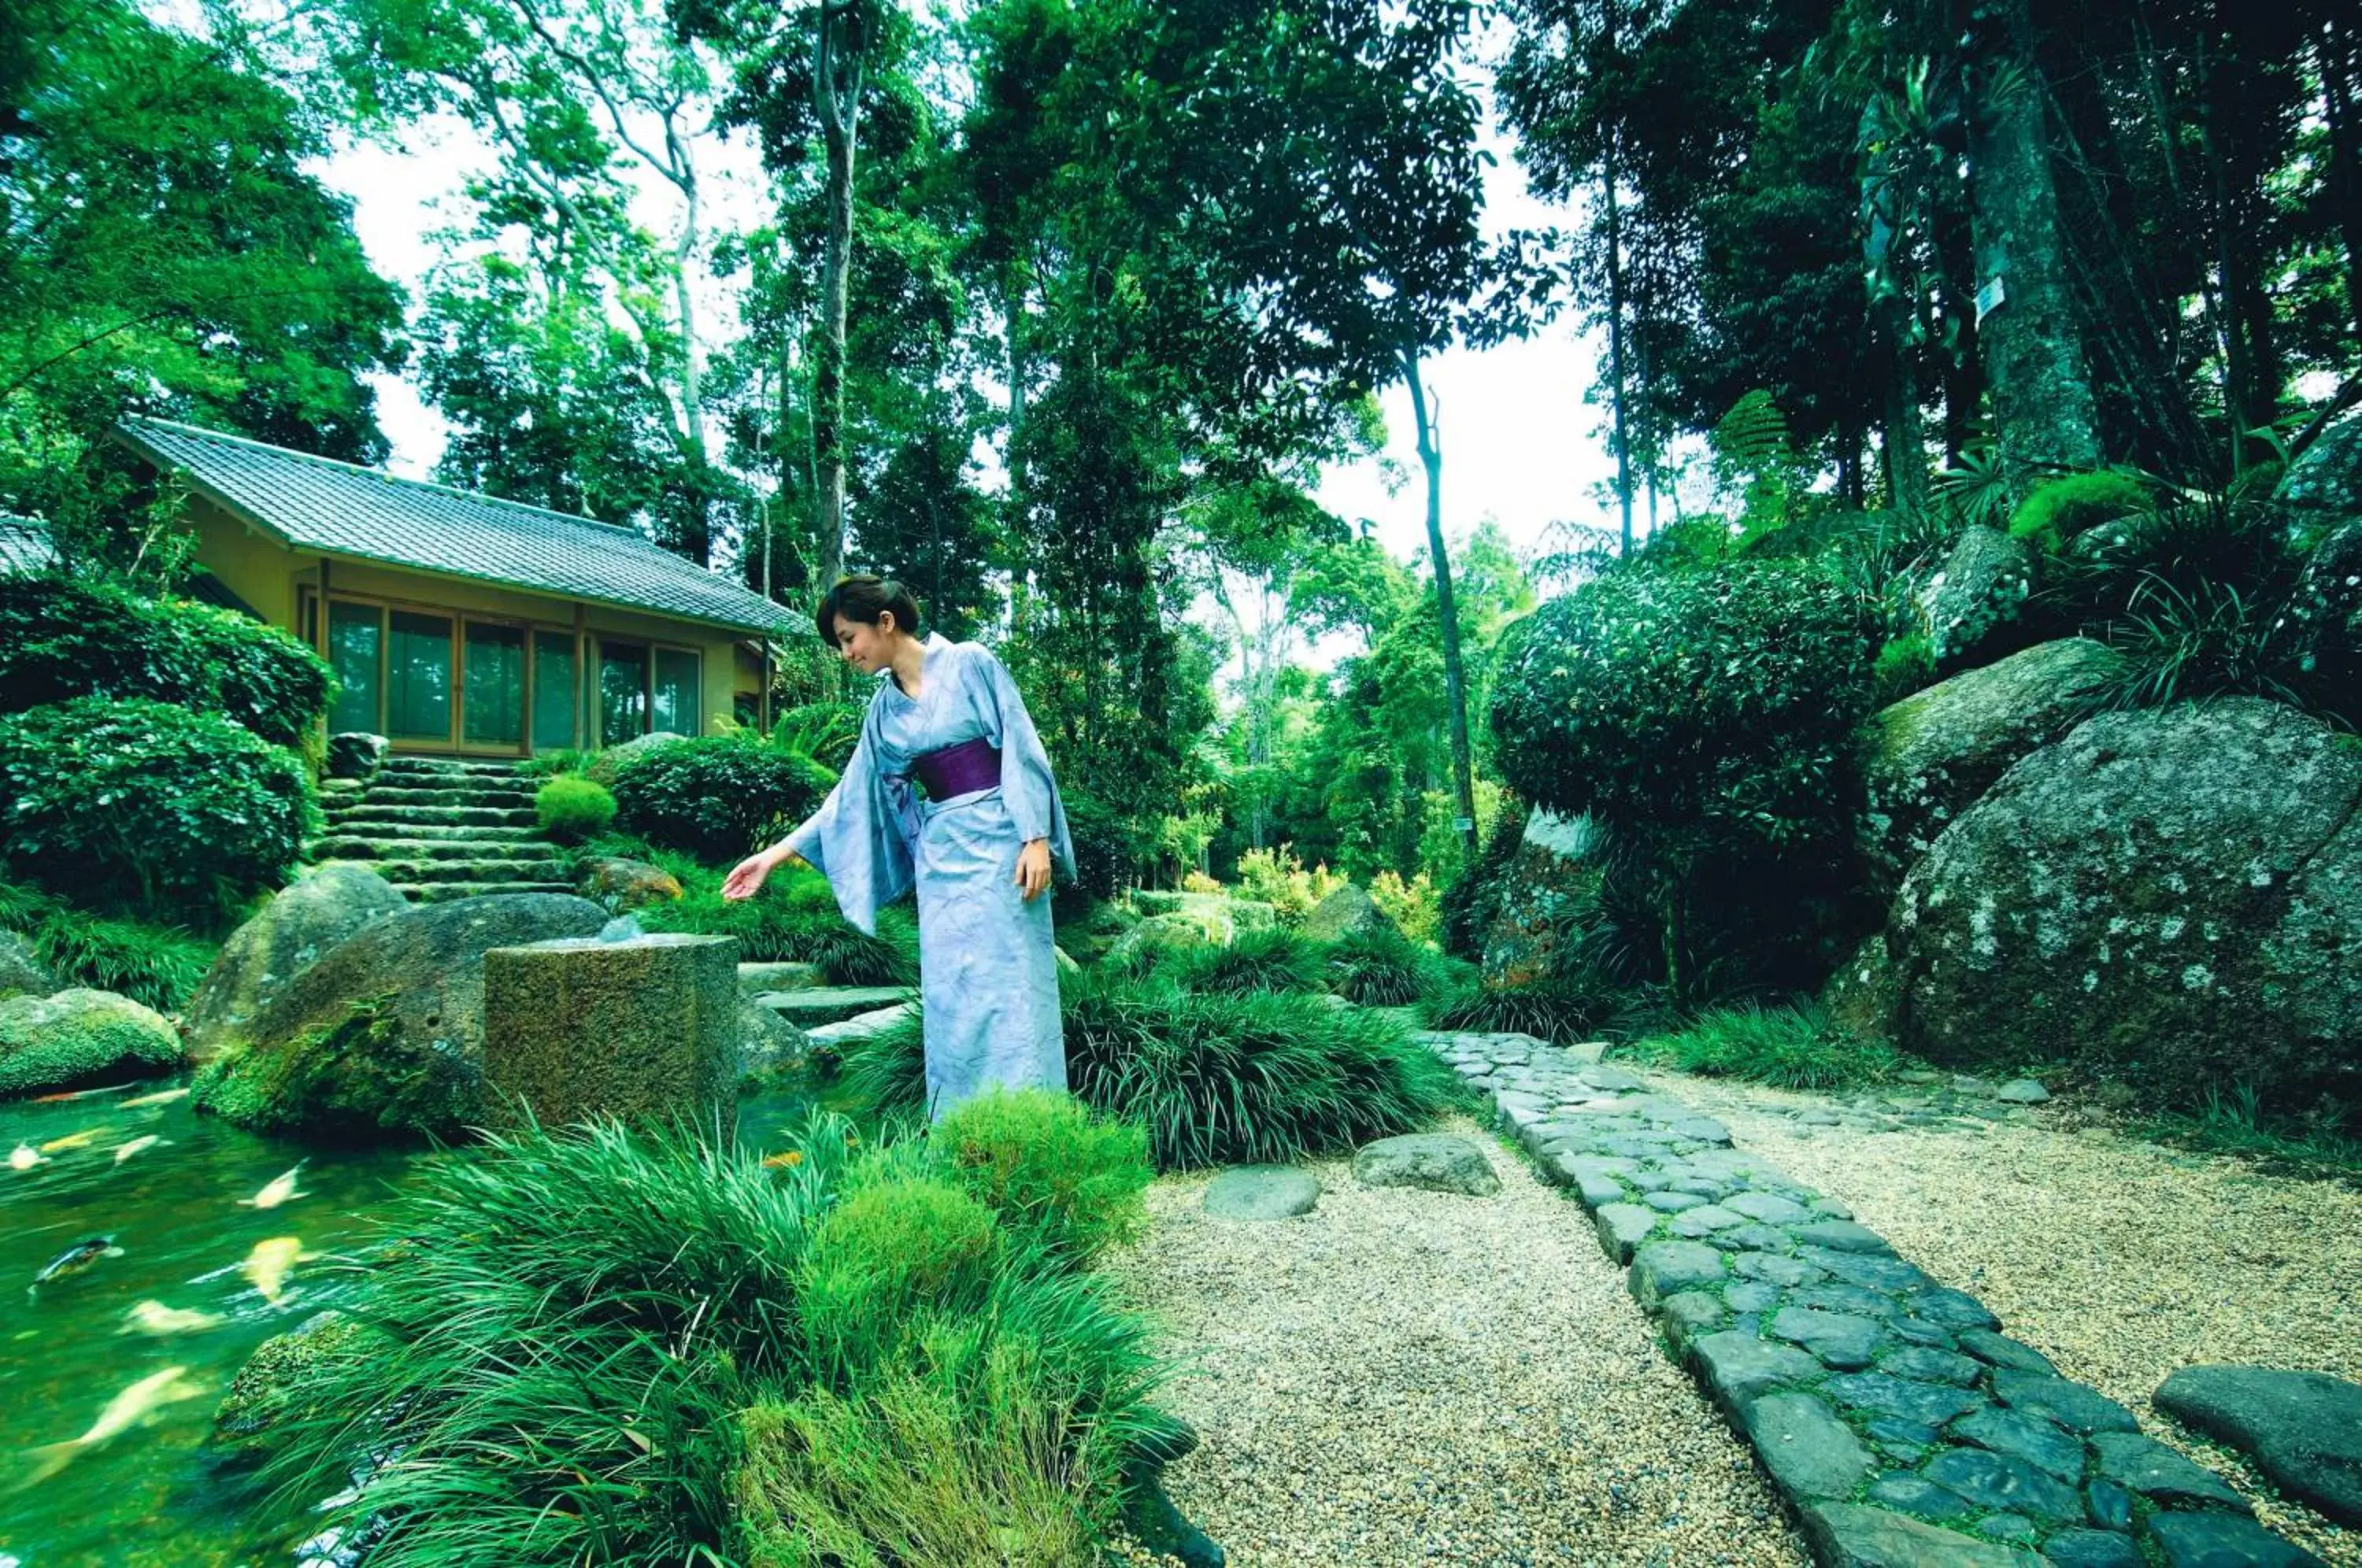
{"type": "Point", "coordinates": [1899, 1425]}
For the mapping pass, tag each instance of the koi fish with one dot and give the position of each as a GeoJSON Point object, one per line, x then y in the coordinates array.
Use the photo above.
{"type": "Point", "coordinates": [161, 1097]}
{"type": "Point", "coordinates": [25, 1157]}
{"type": "Point", "coordinates": [133, 1406]}
{"type": "Point", "coordinates": [81, 1140]}
{"type": "Point", "coordinates": [282, 1188]}
{"type": "Point", "coordinates": [156, 1318]}
{"type": "Point", "coordinates": [266, 1267]}
{"type": "Point", "coordinates": [75, 1260]}
{"type": "Point", "coordinates": [136, 1145]}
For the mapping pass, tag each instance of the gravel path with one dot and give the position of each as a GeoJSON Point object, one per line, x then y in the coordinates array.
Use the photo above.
{"type": "Point", "coordinates": [1406, 1377]}
{"type": "Point", "coordinates": [2118, 1259]}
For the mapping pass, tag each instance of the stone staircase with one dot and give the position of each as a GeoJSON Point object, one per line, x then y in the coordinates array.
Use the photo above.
{"type": "Point", "coordinates": [441, 828]}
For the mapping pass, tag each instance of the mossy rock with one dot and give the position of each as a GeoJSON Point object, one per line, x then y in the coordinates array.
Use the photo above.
{"type": "Point", "coordinates": [279, 941]}
{"type": "Point", "coordinates": [1975, 604]}
{"type": "Point", "coordinates": [75, 1039]}
{"type": "Point", "coordinates": [1170, 931]}
{"type": "Point", "coordinates": [2171, 899]}
{"type": "Point", "coordinates": [22, 973]}
{"type": "Point", "coordinates": [1348, 911]}
{"type": "Point", "coordinates": [278, 1388]}
{"type": "Point", "coordinates": [383, 1036]}
{"type": "Point", "coordinates": [1927, 758]}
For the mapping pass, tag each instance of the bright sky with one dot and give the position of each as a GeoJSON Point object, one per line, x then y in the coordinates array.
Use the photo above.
{"type": "Point", "coordinates": [1519, 443]}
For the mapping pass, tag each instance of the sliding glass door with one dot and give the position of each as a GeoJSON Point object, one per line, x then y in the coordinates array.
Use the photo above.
{"type": "Point", "coordinates": [623, 692]}
{"type": "Point", "coordinates": [492, 709]}
{"type": "Point", "coordinates": [418, 671]}
{"type": "Point", "coordinates": [555, 690]}
{"type": "Point", "coordinates": [357, 653]}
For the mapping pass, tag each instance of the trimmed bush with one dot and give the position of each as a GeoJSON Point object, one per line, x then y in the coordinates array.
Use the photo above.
{"type": "Point", "coordinates": [719, 798]}
{"type": "Point", "coordinates": [572, 809]}
{"type": "Point", "coordinates": [2061, 510]}
{"type": "Point", "coordinates": [1788, 1047]}
{"type": "Point", "coordinates": [62, 638]}
{"type": "Point", "coordinates": [147, 803]}
{"type": "Point", "coordinates": [1050, 1168]}
{"type": "Point", "coordinates": [1216, 1079]}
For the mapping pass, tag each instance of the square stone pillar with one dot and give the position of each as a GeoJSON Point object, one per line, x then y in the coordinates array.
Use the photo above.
{"type": "Point", "coordinates": [645, 1029]}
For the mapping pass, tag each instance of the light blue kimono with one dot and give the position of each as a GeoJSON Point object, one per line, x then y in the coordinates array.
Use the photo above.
{"type": "Point", "coordinates": [988, 962]}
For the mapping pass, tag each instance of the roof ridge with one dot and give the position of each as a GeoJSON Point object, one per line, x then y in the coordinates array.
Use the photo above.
{"type": "Point", "coordinates": [207, 434]}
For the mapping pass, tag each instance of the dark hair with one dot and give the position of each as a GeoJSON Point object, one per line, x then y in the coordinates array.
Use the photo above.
{"type": "Point", "coordinates": [863, 596]}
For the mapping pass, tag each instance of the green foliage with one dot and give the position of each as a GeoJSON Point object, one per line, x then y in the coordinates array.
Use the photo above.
{"type": "Point", "coordinates": [2235, 1123]}
{"type": "Point", "coordinates": [1903, 666]}
{"type": "Point", "coordinates": [156, 966]}
{"type": "Point", "coordinates": [1215, 1079]}
{"type": "Point", "coordinates": [1271, 958]}
{"type": "Point", "coordinates": [572, 809]}
{"type": "Point", "coordinates": [825, 731]}
{"type": "Point", "coordinates": [1467, 905]}
{"type": "Point", "coordinates": [2063, 510]}
{"type": "Point", "coordinates": [717, 797]}
{"type": "Point", "coordinates": [64, 638]}
{"type": "Point", "coordinates": [1753, 460]}
{"type": "Point", "coordinates": [1378, 968]}
{"type": "Point", "coordinates": [555, 764]}
{"type": "Point", "coordinates": [1717, 705]}
{"type": "Point", "coordinates": [2209, 641]}
{"type": "Point", "coordinates": [1108, 845]}
{"type": "Point", "coordinates": [793, 920]}
{"type": "Point", "coordinates": [1789, 1047]}
{"type": "Point", "coordinates": [149, 804]}
{"type": "Point", "coordinates": [596, 1346]}
{"type": "Point", "coordinates": [1050, 1168]}
{"type": "Point", "coordinates": [1563, 1011]}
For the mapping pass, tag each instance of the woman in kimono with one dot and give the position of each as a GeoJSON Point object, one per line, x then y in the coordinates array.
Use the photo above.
{"type": "Point", "coordinates": [949, 792]}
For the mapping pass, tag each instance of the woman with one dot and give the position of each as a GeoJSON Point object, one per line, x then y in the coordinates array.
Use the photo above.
{"type": "Point", "coordinates": [978, 848]}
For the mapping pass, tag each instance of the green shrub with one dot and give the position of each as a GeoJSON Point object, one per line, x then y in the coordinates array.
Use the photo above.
{"type": "Point", "coordinates": [1789, 1047]}
{"type": "Point", "coordinates": [1215, 1079]}
{"type": "Point", "coordinates": [719, 798]}
{"type": "Point", "coordinates": [156, 966]}
{"type": "Point", "coordinates": [573, 809]}
{"type": "Point", "coordinates": [1050, 1167]}
{"type": "Point", "coordinates": [794, 920]}
{"type": "Point", "coordinates": [2061, 510]}
{"type": "Point", "coordinates": [1903, 666]}
{"type": "Point", "coordinates": [1471, 899]}
{"type": "Point", "coordinates": [825, 731]}
{"type": "Point", "coordinates": [1378, 968]}
{"type": "Point", "coordinates": [555, 764]}
{"type": "Point", "coordinates": [2209, 641]}
{"type": "Point", "coordinates": [1108, 846]}
{"type": "Point", "coordinates": [147, 803]}
{"type": "Point", "coordinates": [1269, 958]}
{"type": "Point", "coordinates": [1564, 1012]}
{"type": "Point", "coordinates": [882, 1253]}
{"type": "Point", "coordinates": [62, 638]}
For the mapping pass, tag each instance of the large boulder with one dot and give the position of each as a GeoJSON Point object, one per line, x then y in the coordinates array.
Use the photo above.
{"type": "Point", "coordinates": [1975, 602]}
{"type": "Point", "coordinates": [286, 936]}
{"type": "Point", "coordinates": [1348, 911]}
{"type": "Point", "coordinates": [384, 1034]}
{"type": "Point", "coordinates": [770, 1049]}
{"type": "Point", "coordinates": [356, 755]}
{"type": "Point", "coordinates": [1169, 931]}
{"type": "Point", "coordinates": [2303, 1429]}
{"type": "Point", "coordinates": [2171, 898]}
{"type": "Point", "coordinates": [1928, 758]}
{"type": "Point", "coordinates": [22, 973]}
{"type": "Point", "coordinates": [2327, 476]}
{"type": "Point", "coordinates": [78, 1038]}
{"type": "Point", "coordinates": [1542, 894]}
{"type": "Point", "coordinates": [616, 759]}
{"type": "Point", "coordinates": [2325, 614]}
{"type": "Point", "coordinates": [279, 1388]}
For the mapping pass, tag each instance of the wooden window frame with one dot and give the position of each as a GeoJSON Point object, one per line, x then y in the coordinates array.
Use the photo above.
{"type": "Point", "coordinates": [651, 646]}
{"type": "Point", "coordinates": [310, 601]}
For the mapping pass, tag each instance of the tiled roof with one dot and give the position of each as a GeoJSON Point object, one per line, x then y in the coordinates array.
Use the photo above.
{"type": "Point", "coordinates": [24, 544]}
{"type": "Point", "coordinates": [318, 504]}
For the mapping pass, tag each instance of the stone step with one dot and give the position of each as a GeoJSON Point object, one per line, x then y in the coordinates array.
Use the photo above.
{"type": "Point", "coordinates": [810, 1008]}
{"type": "Point", "coordinates": [358, 846]}
{"type": "Point", "coordinates": [448, 765]}
{"type": "Point", "coordinates": [428, 795]}
{"type": "Point", "coordinates": [439, 892]}
{"type": "Point", "coordinates": [754, 980]}
{"type": "Point", "coordinates": [413, 833]}
{"type": "Point", "coordinates": [405, 873]}
{"type": "Point", "coordinates": [367, 817]}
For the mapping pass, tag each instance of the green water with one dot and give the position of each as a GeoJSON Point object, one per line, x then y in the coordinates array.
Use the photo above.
{"type": "Point", "coordinates": [148, 1498]}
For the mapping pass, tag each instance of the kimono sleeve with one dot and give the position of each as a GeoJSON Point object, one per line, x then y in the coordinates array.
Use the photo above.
{"type": "Point", "coordinates": [1027, 785]}
{"type": "Point", "coordinates": [860, 837]}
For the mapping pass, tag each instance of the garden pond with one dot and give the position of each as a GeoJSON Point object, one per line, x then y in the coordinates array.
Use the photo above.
{"type": "Point", "coordinates": [204, 1264]}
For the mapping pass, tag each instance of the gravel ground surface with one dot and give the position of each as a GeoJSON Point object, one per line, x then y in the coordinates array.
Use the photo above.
{"type": "Point", "coordinates": [2118, 1259]}
{"type": "Point", "coordinates": [1405, 1377]}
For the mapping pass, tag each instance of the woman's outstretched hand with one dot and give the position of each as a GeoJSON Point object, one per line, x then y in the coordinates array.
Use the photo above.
{"type": "Point", "coordinates": [747, 877]}
{"type": "Point", "coordinates": [1032, 867]}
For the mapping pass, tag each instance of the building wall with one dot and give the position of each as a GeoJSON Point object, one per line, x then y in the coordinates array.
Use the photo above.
{"type": "Point", "coordinates": [269, 575]}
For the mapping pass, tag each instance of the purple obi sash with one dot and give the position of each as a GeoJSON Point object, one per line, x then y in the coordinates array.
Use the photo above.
{"type": "Point", "coordinates": [960, 770]}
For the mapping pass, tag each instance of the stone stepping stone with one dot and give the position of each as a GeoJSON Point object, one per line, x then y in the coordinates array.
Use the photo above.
{"type": "Point", "coordinates": [809, 1007]}
{"type": "Point", "coordinates": [1436, 1162]}
{"type": "Point", "coordinates": [860, 1026]}
{"type": "Point", "coordinates": [754, 980]}
{"type": "Point", "coordinates": [2224, 1540]}
{"type": "Point", "coordinates": [1262, 1192]}
{"type": "Point", "coordinates": [2303, 1429]}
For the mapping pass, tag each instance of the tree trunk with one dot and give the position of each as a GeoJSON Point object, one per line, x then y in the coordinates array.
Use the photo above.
{"type": "Point", "coordinates": [836, 85]}
{"type": "Point", "coordinates": [1902, 450]}
{"type": "Point", "coordinates": [2044, 415]}
{"type": "Point", "coordinates": [1455, 691]}
{"type": "Point", "coordinates": [1608, 174]}
{"type": "Point", "coordinates": [2337, 54]}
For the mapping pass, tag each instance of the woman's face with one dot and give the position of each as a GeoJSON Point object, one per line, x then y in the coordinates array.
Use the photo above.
{"type": "Point", "coordinates": [866, 647]}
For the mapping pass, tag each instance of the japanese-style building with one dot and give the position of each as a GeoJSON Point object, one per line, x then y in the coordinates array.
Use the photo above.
{"type": "Point", "coordinates": [461, 624]}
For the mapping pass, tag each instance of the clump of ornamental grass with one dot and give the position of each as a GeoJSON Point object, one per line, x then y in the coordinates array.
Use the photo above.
{"type": "Point", "coordinates": [795, 919]}
{"type": "Point", "coordinates": [1215, 1079]}
{"type": "Point", "coordinates": [1798, 1047]}
{"type": "Point", "coordinates": [1563, 1012]}
{"type": "Point", "coordinates": [1271, 958]}
{"type": "Point", "coordinates": [598, 1345]}
{"type": "Point", "coordinates": [155, 965]}
{"type": "Point", "coordinates": [1379, 968]}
